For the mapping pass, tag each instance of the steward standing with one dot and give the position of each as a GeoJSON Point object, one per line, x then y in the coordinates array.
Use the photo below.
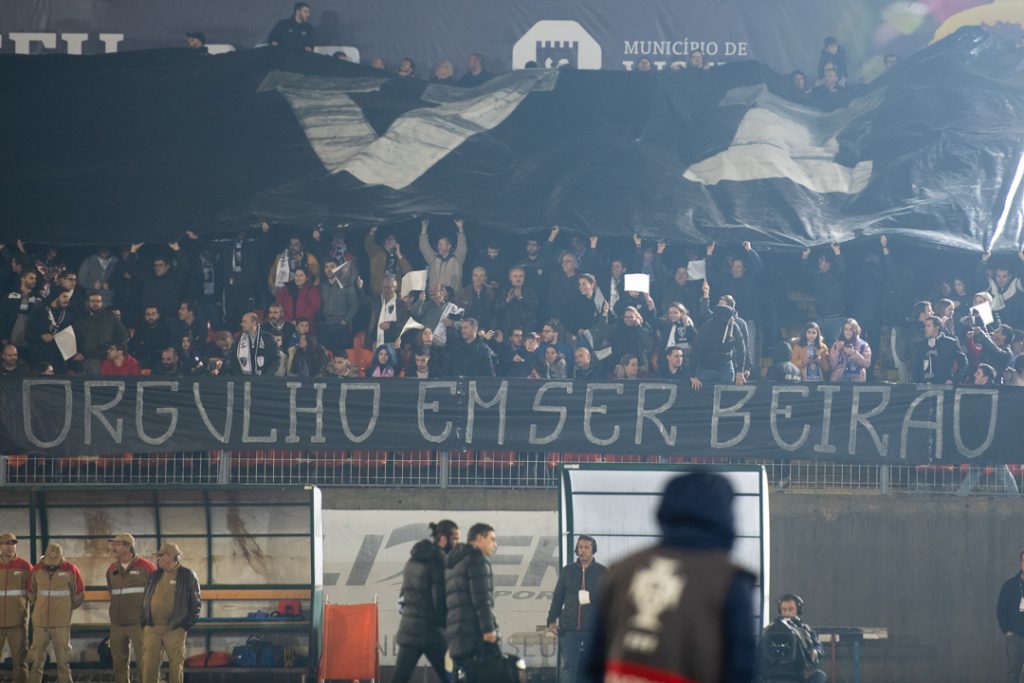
{"type": "Point", "coordinates": [14, 577]}
{"type": "Point", "coordinates": [55, 590]}
{"type": "Point", "coordinates": [127, 578]}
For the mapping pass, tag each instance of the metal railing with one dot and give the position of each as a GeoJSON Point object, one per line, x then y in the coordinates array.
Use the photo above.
{"type": "Point", "coordinates": [450, 469]}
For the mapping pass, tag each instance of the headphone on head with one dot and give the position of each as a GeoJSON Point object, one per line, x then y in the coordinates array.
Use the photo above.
{"type": "Point", "coordinates": [790, 597]}
{"type": "Point", "coordinates": [584, 537]}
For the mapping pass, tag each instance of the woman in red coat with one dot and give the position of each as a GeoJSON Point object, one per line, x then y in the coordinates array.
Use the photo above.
{"type": "Point", "coordinates": [300, 299]}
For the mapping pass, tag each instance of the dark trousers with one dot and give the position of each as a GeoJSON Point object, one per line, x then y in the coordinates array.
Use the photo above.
{"type": "Point", "coordinates": [409, 657]}
{"type": "Point", "coordinates": [1014, 657]}
{"type": "Point", "coordinates": [571, 649]}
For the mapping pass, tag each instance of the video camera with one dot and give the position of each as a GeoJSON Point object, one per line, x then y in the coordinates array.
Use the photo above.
{"type": "Point", "coordinates": [784, 653]}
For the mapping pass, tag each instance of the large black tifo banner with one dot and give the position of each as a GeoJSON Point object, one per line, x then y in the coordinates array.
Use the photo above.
{"type": "Point", "coordinates": [880, 423]}
{"type": "Point", "coordinates": [151, 143]}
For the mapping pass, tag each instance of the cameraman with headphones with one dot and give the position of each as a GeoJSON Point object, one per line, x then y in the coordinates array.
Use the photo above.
{"type": "Point", "coordinates": [784, 663]}
{"type": "Point", "coordinates": [569, 617]}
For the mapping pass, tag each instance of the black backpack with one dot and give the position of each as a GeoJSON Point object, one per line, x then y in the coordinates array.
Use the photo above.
{"type": "Point", "coordinates": [491, 666]}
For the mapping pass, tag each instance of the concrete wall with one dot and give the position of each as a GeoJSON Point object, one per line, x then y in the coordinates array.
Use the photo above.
{"type": "Point", "coordinates": [928, 568]}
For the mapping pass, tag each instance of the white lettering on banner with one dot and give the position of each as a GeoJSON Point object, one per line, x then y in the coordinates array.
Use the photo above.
{"type": "Point", "coordinates": [73, 41]}
{"type": "Point", "coordinates": [993, 396]}
{"type": "Point", "coordinates": [500, 399]}
{"type": "Point", "coordinates": [26, 411]}
{"type": "Point", "coordinates": [858, 420]}
{"type": "Point", "coordinates": [561, 411]}
{"type": "Point", "coordinates": [229, 412]}
{"type": "Point", "coordinates": [589, 411]}
{"type": "Point", "coordinates": [824, 446]}
{"type": "Point", "coordinates": [247, 437]}
{"type": "Point", "coordinates": [294, 410]}
{"type": "Point", "coordinates": [433, 406]}
{"type": "Point", "coordinates": [930, 425]}
{"type": "Point", "coordinates": [116, 432]}
{"type": "Point", "coordinates": [525, 568]}
{"type": "Point", "coordinates": [644, 413]}
{"type": "Point", "coordinates": [718, 412]}
{"type": "Point", "coordinates": [343, 409]}
{"type": "Point", "coordinates": [140, 390]}
{"type": "Point", "coordinates": [787, 412]}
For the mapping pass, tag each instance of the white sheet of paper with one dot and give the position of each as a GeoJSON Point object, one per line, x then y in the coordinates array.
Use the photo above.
{"type": "Point", "coordinates": [584, 597]}
{"type": "Point", "coordinates": [415, 281]}
{"type": "Point", "coordinates": [637, 282]}
{"type": "Point", "coordinates": [66, 342]}
{"type": "Point", "coordinates": [697, 270]}
{"type": "Point", "coordinates": [984, 311]}
{"type": "Point", "coordinates": [410, 324]}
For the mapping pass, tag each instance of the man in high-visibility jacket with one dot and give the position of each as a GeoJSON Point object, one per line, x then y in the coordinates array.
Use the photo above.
{"type": "Point", "coordinates": [14, 573]}
{"type": "Point", "coordinates": [127, 577]}
{"type": "Point", "coordinates": [55, 589]}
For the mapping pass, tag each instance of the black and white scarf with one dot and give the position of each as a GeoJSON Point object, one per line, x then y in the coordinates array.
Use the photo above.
{"type": "Point", "coordinates": [250, 353]}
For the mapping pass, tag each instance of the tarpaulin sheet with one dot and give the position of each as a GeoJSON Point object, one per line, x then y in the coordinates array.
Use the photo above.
{"type": "Point", "coordinates": [145, 145]}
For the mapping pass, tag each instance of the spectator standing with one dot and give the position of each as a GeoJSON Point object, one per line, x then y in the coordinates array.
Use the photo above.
{"type": "Point", "coordinates": [850, 356]}
{"type": "Point", "coordinates": [1005, 286]}
{"type": "Point", "coordinates": [517, 306]}
{"type": "Point", "coordinates": [826, 278]}
{"type": "Point", "coordinates": [388, 315]}
{"type": "Point", "coordinates": [832, 53]}
{"type": "Point", "coordinates": [16, 310]}
{"type": "Point", "coordinates": [295, 33]}
{"type": "Point", "coordinates": [44, 323]}
{"type": "Point", "coordinates": [647, 624]}
{"type": "Point", "coordinates": [739, 276]}
{"type": "Point", "coordinates": [192, 323]}
{"type": "Point", "coordinates": [285, 264]}
{"type": "Point", "coordinates": [479, 299]}
{"type": "Point", "coordinates": [994, 348]}
{"type": "Point", "coordinates": [14, 583]}
{"type": "Point", "coordinates": [385, 260]}
{"type": "Point", "coordinates": [674, 284]}
{"type": "Point", "coordinates": [300, 298]}
{"type": "Point", "coordinates": [676, 328]}
{"type": "Point", "coordinates": [255, 352]}
{"type": "Point", "coordinates": [538, 259]}
{"type": "Point", "coordinates": [468, 355]}
{"type": "Point", "coordinates": [162, 285]}
{"type": "Point", "coordinates": [937, 359]}
{"type": "Point", "coordinates": [96, 272]}
{"type": "Point", "coordinates": [55, 590]}
{"type": "Point", "coordinates": [127, 578]}
{"type": "Point", "coordinates": [170, 607]}
{"type": "Point", "coordinates": [424, 603]}
{"type": "Point", "coordinates": [95, 331]}
{"type": "Point", "coordinates": [571, 616]}
{"type": "Point", "coordinates": [444, 266]}
{"type": "Point", "coordinates": [563, 286]}
{"type": "Point", "coordinates": [307, 358]}
{"type": "Point", "coordinates": [150, 339]}
{"type": "Point", "coordinates": [340, 302]}
{"type": "Point", "coordinates": [719, 350]}
{"type": "Point", "coordinates": [588, 307]}
{"type": "Point", "coordinates": [631, 336]}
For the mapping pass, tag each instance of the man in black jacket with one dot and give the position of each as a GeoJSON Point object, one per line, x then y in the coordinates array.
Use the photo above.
{"type": "Point", "coordinates": [469, 355]}
{"type": "Point", "coordinates": [570, 616]}
{"type": "Point", "coordinates": [255, 352]}
{"type": "Point", "coordinates": [937, 359]}
{"type": "Point", "coordinates": [1010, 613]}
{"type": "Point", "coordinates": [424, 608]}
{"type": "Point", "coordinates": [720, 352]}
{"type": "Point", "coordinates": [170, 607]}
{"type": "Point", "coordinates": [469, 586]}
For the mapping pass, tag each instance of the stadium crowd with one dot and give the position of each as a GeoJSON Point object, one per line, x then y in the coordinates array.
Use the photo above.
{"type": "Point", "coordinates": [311, 303]}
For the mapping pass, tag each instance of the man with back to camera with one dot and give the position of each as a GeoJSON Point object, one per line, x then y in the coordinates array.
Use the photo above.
{"type": "Point", "coordinates": [1010, 614]}
{"type": "Point", "coordinates": [790, 607]}
{"type": "Point", "coordinates": [14, 575]}
{"type": "Point", "coordinates": [127, 577]}
{"type": "Point", "coordinates": [472, 629]}
{"type": "Point", "coordinates": [424, 603]}
{"type": "Point", "coordinates": [679, 611]}
{"type": "Point", "coordinates": [570, 617]}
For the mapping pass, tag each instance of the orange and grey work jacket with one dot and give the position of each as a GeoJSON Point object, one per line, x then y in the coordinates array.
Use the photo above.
{"type": "Point", "coordinates": [54, 593]}
{"type": "Point", "coordinates": [127, 586]}
{"type": "Point", "coordinates": [14, 592]}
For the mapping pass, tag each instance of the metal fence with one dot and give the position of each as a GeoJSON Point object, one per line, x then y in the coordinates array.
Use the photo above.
{"type": "Point", "coordinates": [449, 469]}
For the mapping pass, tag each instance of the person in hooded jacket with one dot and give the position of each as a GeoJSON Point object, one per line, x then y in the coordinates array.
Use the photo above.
{"type": "Point", "coordinates": [424, 608]}
{"type": "Point", "coordinates": [471, 627]}
{"type": "Point", "coordinates": [720, 351]}
{"type": "Point", "coordinates": [680, 610]}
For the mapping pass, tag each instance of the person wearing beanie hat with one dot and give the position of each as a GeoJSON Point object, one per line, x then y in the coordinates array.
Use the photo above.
{"type": "Point", "coordinates": [680, 610]}
{"type": "Point", "coordinates": [127, 578]}
{"type": "Point", "coordinates": [14, 575]}
{"type": "Point", "coordinates": [170, 607]}
{"type": "Point", "coordinates": [55, 590]}
{"type": "Point", "coordinates": [783, 369]}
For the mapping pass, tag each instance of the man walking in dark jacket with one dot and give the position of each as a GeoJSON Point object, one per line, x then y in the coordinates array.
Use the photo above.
{"type": "Point", "coordinates": [424, 603]}
{"type": "Point", "coordinates": [469, 586]}
{"type": "Point", "coordinates": [680, 610]}
{"type": "Point", "coordinates": [170, 607]}
{"type": "Point", "coordinates": [570, 616]}
{"type": "Point", "coordinates": [1010, 613]}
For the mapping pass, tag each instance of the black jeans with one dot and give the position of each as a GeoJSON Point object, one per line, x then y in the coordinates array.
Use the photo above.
{"type": "Point", "coordinates": [571, 649]}
{"type": "Point", "coordinates": [1014, 657]}
{"type": "Point", "coordinates": [409, 657]}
